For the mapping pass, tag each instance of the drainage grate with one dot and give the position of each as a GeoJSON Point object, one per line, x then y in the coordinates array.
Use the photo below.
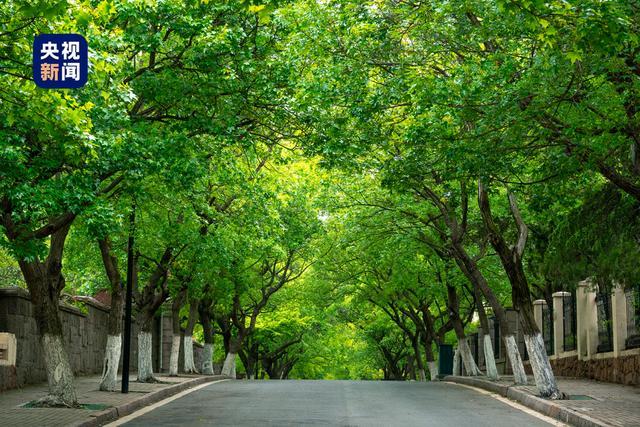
{"type": "Point", "coordinates": [580, 397]}
{"type": "Point", "coordinates": [88, 406]}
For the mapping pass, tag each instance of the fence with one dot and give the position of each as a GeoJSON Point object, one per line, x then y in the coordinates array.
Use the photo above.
{"type": "Point", "coordinates": [594, 333]}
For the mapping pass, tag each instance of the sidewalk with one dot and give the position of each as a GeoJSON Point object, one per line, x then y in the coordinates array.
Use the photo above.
{"type": "Point", "coordinates": [592, 403]}
{"type": "Point", "coordinates": [11, 414]}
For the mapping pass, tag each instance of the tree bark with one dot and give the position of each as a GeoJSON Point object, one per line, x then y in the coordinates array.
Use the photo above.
{"type": "Point", "coordinates": [456, 362]}
{"type": "Point", "coordinates": [431, 361]}
{"type": "Point", "coordinates": [229, 367]}
{"type": "Point", "coordinates": [176, 305]}
{"type": "Point", "coordinates": [189, 363]}
{"type": "Point", "coordinates": [511, 259]}
{"type": "Point", "coordinates": [45, 283]}
{"type": "Point", "coordinates": [145, 348]}
{"type": "Point", "coordinates": [470, 269]}
{"type": "Point", "coordinates": [419, 362]}
{"type": "Point", "coordinates": [489, 359]}
{"type": "Point", "coordinates": [207, 329]}
{"type": "Point", "coordinates": [463, 347]}
{"type": "Point", "coordinates": [113, 349]}
{"type": "Point", "coordinates": [147, 302]}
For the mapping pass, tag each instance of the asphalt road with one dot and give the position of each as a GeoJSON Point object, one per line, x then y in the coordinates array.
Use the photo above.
{"type": "Point", "coordinates": [344, 403]}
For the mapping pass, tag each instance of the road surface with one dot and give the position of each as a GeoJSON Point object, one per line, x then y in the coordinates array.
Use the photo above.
{"type": "Point", "coordinates": [339, 403]}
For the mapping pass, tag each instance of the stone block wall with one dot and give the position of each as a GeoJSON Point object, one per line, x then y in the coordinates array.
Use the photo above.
{"type": "Point", "coordinates": [165, 330]}
{"type": "Point", "coordinates": [85, 336]}
{"type": "Point", "coordinates": [621, 369]}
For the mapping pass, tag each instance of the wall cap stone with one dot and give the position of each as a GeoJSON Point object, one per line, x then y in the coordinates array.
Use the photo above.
{"type": "Point", "coordinates": [561, 294]}
{"type": "Point", "coordinates": [87, 300]}
{"type": "Point", "coordinates": [15, 291]}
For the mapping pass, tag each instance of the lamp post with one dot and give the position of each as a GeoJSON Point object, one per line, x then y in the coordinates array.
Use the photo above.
{"type": "Point", "coordinates": [127, 307]}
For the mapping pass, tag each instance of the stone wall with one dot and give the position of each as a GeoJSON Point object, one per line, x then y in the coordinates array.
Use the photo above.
{"type": "Point", "coordinates": [167, 332]}
{"type": "Point", "coordinates": [502, 361]}
{"type": "Point", "coordinates": [85, 336]}
{"type": "Point", "coordinates": [621, 369]}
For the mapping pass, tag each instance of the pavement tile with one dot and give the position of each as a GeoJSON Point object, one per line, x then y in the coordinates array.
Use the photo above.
{"type": "Point", "coordinates": [614, 405]}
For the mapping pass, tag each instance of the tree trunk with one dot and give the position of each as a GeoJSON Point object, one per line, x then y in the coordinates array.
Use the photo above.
{"type": "Point", "coordinates": [431, 362]}
{"type": "Point", "coordinates": [175, 355]}
{"type": "Point", "coordinates": [472, 272]}
{"type": "Point", "coordinates": [542, 372]}
{"type": "Point", "coordinates": [207, 330]}
{"type": "Point", "coordinates": [463, 347]}
{"type": "Point", "coordinates": [229, 367]}
{"type": "Point", "coordinates": [456, 362]}
{"type": "Point", "coordinates": [519, 374]}
{"type": "Point", "coordinates": [45, 282]}
{"type": "Point", "coordinates": [145, 349]}
{"type": "Point", "coordinates": [189, 363]}
{"type": "Point", "coordinates": [433, 370]}
{"type": "Point", "coordinates": [511, 259]}
{"type": "Point", "coordinates": [419, 363]}
{"type": "Point", "coordinates": [176, 305]}
{"type": "Point", "coordinates": [489, 359]}
{"type": "Point", "coordinates": [113, 348]}
{"type": "Point", "coordinates": [411, 367]}
{"type": "Point", "coordinates": [207, 355]}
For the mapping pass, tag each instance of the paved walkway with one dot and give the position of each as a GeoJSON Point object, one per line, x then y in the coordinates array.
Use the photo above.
{"type": "Point", "coordinates": [12, 414]}
{"type": "Point", "coordinates": [614, 404]}
{"type": "Point", "coordinates": [600, 403]}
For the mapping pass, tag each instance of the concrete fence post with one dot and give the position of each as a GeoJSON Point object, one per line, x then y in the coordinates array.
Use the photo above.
{"type": "Point", "coordinates": [558, 322]}
{"type": "Point", "coordinates": [587, 320]}
{"type": "Point", "coordinates": [619, 314]}
{"type": "Point", "coordinates": [538, 308]}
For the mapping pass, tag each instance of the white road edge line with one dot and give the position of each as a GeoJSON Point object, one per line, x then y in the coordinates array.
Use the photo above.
{"type": "Point", "coordinates": [156, 405]}
{"type": "Point", "coordinates": [516, 405]}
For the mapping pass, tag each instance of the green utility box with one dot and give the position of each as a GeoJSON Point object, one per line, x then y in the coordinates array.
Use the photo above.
{"type": "Point", "coordinates": [445, 360]}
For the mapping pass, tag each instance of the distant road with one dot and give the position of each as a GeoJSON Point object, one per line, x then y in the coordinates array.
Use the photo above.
{"type": "Point", "coordinates": [336, 403]}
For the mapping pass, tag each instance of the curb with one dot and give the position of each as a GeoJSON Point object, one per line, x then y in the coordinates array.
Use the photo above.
{"type": "Point", "coordinates": [543, 406]}
{"type": "Point", "coordinates": [99, 418]}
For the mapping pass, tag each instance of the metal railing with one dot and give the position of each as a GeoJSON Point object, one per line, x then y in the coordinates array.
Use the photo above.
{"type": "Point", "coordinates": [605, 321]}
{"type": "Point", "coordinates": [569, 323]}
{"type": "Point", "coordinates": [547, 328]}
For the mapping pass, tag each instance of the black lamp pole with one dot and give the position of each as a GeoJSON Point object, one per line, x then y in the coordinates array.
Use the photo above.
{"type": "Point", "coordinates": [127, 306]}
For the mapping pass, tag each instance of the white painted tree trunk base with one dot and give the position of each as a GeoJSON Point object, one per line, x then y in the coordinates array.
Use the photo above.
{"type": "Point", "coordinates": [207, 359]}
{"type": "Point", "coordinates": [109, 379]}
{"type": "Point", "coordinates": [229, 367]}
{"type": "Point", "coordinates": [456, 362]}
{"type": "Point", "coordinates": [519, 374]}
{"type": "Point", "coordinates": [59, 374]}
{"type": "Point", "coordinates": [145, 360]}
{"type": "Point", "coordinates": [175, 354]}
{"type": "Point", "coordinates": [423, 375]}
{"type": "Point", "coordinates": [489, 359]}
{"type": "Point", "coordinates": [189, 363]}
{"type": "Point", "coordinates": [433, 370]}
{"type": "Point", "coordinates": [470, 365]}
{"type": "Point", "coordinates": [542, 372]}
